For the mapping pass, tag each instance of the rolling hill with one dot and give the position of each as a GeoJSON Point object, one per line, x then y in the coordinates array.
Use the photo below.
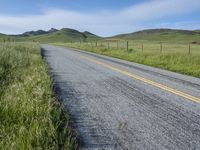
{"type": "Point", "coordinates": [33, 33]}
{"type": "Point", "coordinates": [51, 36]}
{"type": "Point", "coordinates": [63, 35]}
{"type": "Point", "coordinates": [3, 36]}
{"type": "Point", "coordinates": [170, 35]}
{"type": "Point", "coordinates": [71, 35]}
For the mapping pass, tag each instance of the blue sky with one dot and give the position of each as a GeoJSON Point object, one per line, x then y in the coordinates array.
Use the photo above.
{"type": "Point", "coordinates": [102, 17]}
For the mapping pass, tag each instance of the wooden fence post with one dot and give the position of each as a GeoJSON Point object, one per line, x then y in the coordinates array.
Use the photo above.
{"type": "Point", "coordinates": [133, 44]}
{"type": "Point", "coordinates": [142, 47]}
{"type": "Point", "coordinates": [161, 48]}
{"type": "Point", "coordinates": [189, 49]}
{"type": "Point", "coordinates": [127, 46]}
{"type": "Point", "coordinates": [117, 44]}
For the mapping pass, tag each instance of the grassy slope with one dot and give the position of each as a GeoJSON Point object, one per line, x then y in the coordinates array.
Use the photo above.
{"type": "Point", "coordinates": [180, 36]}
{"type": "Point", "coordinates": [31, 117]}
{"type": "Point", "coordinates": [177, 62]}
{"type": "Point", "coordinates": [91, 37]}
{"type": "Point", "coordinates": [153, 35]}
{"type": "Point", "coordinates": [63, 35]}
{"type": "Point", "coordinates": [3, 36]}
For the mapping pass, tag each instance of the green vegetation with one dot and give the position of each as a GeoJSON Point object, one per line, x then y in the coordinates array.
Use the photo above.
{"type": "Point", "coordinates": [174, 57]}
{"type": "Point", "coordinates": [64, 35]}
{"type": "Point", "coordinates": [4, 37]}
{"type": "Point", "coordinates": [30, 115]}
{"type": "Point", "coordinates": [175, 50]}
{"type": "Point", "coordinates": [162, 35]}
{"type": "Point", "coordinates": [53, 35]}
{"type": "Point", "coordinates": [71, 35]}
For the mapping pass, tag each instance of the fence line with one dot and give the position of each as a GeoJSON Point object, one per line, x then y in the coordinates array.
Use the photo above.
{"type": "Point", "coordinates": [162, 47]}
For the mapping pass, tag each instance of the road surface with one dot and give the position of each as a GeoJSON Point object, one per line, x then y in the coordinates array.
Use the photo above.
{"type": "Point", "coordinates": [115, 104]}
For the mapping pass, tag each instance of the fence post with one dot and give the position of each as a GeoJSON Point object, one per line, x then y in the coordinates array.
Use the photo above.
{"type": "Point", "coordinates": [161, 48]}
{"type": "Point", "coordinates": [117, 44]}
{"type": "Point", "coordinates": [96, 44]}
{"type": "Point", "coordinates": [133, 44]}
{"type": "Point", "coordinates": [189, 49]}
{"type": "Point", "coordinates": [108, 45]}
{"type": "Point", "coordinates": [127, 46]}
{"type": "Point", "coordinates": [142, 47]}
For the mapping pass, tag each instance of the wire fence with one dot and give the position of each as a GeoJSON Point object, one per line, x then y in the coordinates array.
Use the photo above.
{"type": "Point", "coordinates": [143, 46]}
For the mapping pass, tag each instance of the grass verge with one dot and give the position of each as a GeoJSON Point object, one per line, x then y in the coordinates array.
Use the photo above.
{"type": "Point", "coordinates": [175, 61]}
{"type": "Point", "coordinates": [30, 115]}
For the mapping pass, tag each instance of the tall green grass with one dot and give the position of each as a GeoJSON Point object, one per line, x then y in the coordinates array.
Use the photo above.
{"type": "Point", "coordinates": [174, 57]}
{"type": "Point", "coordinates": [30, 115]}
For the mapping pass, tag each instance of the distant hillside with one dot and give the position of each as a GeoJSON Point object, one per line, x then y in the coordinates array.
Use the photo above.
{"type": "Point", "coordinates": [32, 33]}
{"type": "Point", "coordinates": [71, 35]}
{"type": "Point", "coordinates": [64, 35]}
{"type": "Point", "coordinates": [38, 32]}
{"type": "Point", "coordinates": [91, 36]}
{"type": "Point", "coordinates": [52, 35]}
{"type": "Point", "coordinates": [161, 35]}
{"type": "Point", "coordinates": [4, 37]}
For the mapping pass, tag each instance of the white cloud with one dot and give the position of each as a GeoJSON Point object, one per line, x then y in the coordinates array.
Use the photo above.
{"type": "Point", "coordinates": [156, 9]}
{"type": "Point", "coordinates": [105, 22]}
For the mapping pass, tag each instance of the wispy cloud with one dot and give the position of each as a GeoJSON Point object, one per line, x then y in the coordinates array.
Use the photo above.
{"type": "Point", "coordinates": [107, 22]}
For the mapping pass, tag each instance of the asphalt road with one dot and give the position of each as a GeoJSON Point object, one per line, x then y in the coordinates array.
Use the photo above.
{"type": "Point", "coordinates": [116, 104]}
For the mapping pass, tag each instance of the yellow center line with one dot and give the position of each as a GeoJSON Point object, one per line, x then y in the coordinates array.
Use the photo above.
{"type": "Point", "coordinates": [158, 85]}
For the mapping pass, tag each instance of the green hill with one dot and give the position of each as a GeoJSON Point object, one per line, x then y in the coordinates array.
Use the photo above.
{"type": "Point", "coordinates": [167, 35]}
{"type": "Point", "coordinates": [71, 35]}
{"type": "Point", "coordinates": [63, 35]}
{"type": "Point", "coordinates": [90, 36]}
{"type": "Point", "coordinates": [51, 36]}
{"type": "Point", "coordinates": [32, 33]}
{"type": "Point", "coordinates": [4, 37]}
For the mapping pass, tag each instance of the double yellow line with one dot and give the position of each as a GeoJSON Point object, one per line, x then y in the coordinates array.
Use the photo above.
{"type": "Point", "coordinates": [158, 85]}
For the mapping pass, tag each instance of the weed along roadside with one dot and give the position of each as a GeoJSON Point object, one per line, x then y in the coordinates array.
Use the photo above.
{"type": "Point", "coordinates": [31, 115]}
{"type": "Point", "coordinates": [181, 58]}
